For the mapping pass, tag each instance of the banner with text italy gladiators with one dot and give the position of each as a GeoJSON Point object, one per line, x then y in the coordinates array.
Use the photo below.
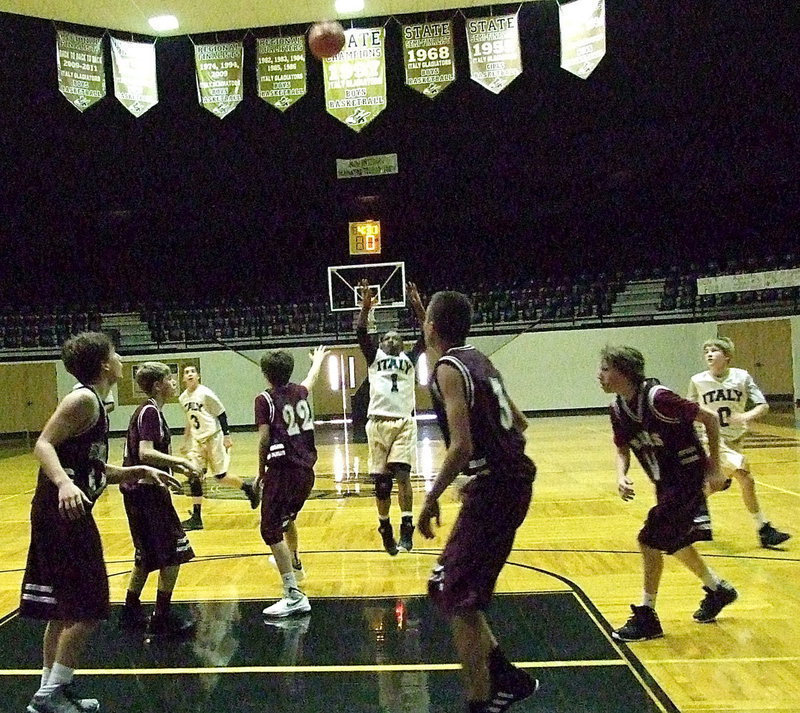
{"type": "Point", "coordinates": [134, 65]}
{"type": "Point", "coordinates": [355, 79]}
{"type": "Point", "coordinates": [218, 71]}
{"type": "Point", "coordinates": [428, 56]}
{"type": "Point", "coordinates": [281, 70]}
{"type": "Point", "coordinates": [582, 24]}
{"type": "Point", "coordinates": [81, 73]}
{"type": "Point", "coordinates": [494, 55]}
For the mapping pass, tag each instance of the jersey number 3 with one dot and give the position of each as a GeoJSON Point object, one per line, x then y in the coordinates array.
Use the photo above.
{"type": "Point", "coordinates": [298, 418]}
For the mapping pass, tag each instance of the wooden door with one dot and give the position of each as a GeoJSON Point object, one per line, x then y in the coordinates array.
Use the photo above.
{"type": "Point", "coordinates": [29, 396]}
{"type": "Point", "coordinates": [764, 348]}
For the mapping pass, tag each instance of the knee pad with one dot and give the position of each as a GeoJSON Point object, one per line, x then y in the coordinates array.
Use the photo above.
{"type": "Point", "coordinates": [220, 476]}
{"type": "Point", "coordinates": [383, 485]}
{"type": "Point", "coordinates": [196, 487]}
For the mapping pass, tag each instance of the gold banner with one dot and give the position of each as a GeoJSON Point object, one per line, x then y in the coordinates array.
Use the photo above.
{"type": "Point", "coordinates": [81, 73]}
{"type": "Point", "coordinates": [494, 55]}
{"type": "Point", "coordinates": [281, 70]}
{"type": "Point", "coordinates": [134, 65]}
{"type": "Point", "coordinates": [218, 71]}
{"type": "Point", "coordinates": [582, 25]}
{"type": "Point", "coordinates": [428, 57]}
{"type": "Point", "coordinates": [355, 79]}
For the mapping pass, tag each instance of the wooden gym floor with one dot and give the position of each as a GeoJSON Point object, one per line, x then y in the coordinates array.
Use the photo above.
{"type": "Point", "coordinates": [372, 642]}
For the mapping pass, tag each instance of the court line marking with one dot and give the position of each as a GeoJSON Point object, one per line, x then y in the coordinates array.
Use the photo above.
{"type": "Point", "coordinates": [340, 668]}
{"type": "Point", "coordinates": [762, 484]}
{"type": "Point", "coordinates": [756, 659]}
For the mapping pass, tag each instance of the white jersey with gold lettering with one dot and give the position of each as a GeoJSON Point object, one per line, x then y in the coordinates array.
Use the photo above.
{"type": "Point", "coordinates": [201, 408]}
{"type": "Point", "coordinates": [391, 385]}
{"type": "Point", "coordinates": [726, 395]}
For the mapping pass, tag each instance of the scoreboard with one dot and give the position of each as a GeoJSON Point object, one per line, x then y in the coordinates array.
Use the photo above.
{"type": "Point", "coordinates": [365, 237]}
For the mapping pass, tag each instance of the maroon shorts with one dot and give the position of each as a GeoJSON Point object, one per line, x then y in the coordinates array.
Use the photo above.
{"type": "Point", "coordinates": [480, 542]}
{"type": "Point", "coordinates": [65, 577]}
{"type": "Point", "coordinates": [678, 519]}
{"type": "Point", "coordinates": [158, 538]}
{"type": "Point", "coordinates": [285, 492]}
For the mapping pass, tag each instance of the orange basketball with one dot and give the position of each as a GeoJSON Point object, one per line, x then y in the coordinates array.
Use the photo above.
{"type": "Point", "coordinates": [325, 39]}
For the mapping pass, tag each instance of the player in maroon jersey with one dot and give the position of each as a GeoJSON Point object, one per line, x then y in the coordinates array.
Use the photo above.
{"type": "Point", "coordinates": [158, 537]}
{"type": "Point", "coordinates": [483, 432]}
{"type": "Point", "coordinates": [65, 580]}
{"type": "Point", "coordinates": [658, 425]}
{"type": "Point", "coordinates": [286, 458]}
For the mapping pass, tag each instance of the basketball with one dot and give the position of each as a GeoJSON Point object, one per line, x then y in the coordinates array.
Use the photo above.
{"type": "Point", "coordinates": [325, 39]}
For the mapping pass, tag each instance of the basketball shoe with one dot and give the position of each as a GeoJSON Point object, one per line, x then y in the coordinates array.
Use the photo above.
{"type": "Point", "coordinates": [295, 603]}
{"type": "Point", "coordinates": [253, 494]}
{"type": "Point", "coordinates": [387, 535]}
{"type": "Point", "coordinates": [714, 601]}
{"type": "Point", "coordinates": [170, 624]}
{"type": "Point", "coordinates": [406, 533]}
{"type": "Point", "coordinates": [59, 702]}
{"type": "Point", "coordinates": [770, 537]}
{"type": "Point", "coordinates": [509, 683]}
{"type": "Point", "coordinates": [195, 522]}
{"type": "Point", "coordinates": [643, 625]}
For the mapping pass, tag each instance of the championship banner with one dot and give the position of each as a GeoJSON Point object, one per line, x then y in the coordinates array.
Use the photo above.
{"type": "Point", "coordinates": [134, 65]}
{"type": "Point", "coordinates": [494, 55]}
{"type": "Point", "coordinates": [281, 70]}
{"type": "Point", "coordinates": [582, 25]}
{"type": "Point", "coordinates": [380, 165]}
{"type": "Point", "coordinates": [355, 79]}
{"type": "Point", "coordinates": [428, 56]}
{"type": "Point", "coordinates": [81, 73]}
{"type": "Point", "coordinates": [218, 71]}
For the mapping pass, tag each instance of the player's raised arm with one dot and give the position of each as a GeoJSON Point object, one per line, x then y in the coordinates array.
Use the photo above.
{"type": "Point", "coordinates": [415, 301]}
{"type": "Point", "coordinates": [368, 349]}
{"type": "Point", "coordinates": [317, 357]}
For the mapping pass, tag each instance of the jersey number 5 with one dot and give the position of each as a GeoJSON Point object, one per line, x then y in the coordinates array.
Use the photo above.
{"type": "Point", "coordinates": [298, 418]}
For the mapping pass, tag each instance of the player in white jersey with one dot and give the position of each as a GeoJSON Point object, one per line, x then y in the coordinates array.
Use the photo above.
{"type": "Point", "coordinates": [207, 442]}
{"type": "Point", "coordinates": [391, 428]}
{"type": "Point", "coordinates": [727, 391]}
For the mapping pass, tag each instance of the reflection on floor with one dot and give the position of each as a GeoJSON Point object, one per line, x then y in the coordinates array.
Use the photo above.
{"type": "Point", "coordinates": [354, 655]}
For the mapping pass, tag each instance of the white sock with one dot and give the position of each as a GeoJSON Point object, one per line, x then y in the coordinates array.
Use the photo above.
{"type": "Point", "coordinates": [711, 579]}
{"type": "Point", "coordinates": [408, 514]}
{"type": "Point", "coordinates": [648, 600]}
{"type": "Point", "coordinates": [59, 676]}
{"type": "Point", "coordinates": [45, 675]}
{"type": "Point", "coordinates": [759, 519]}
{"type": "Point", "coordinates": [289, 584]}
{"type": "Point", "coordinates": [383, 518]}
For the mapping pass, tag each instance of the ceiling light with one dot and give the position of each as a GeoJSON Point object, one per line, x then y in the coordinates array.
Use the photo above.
{"type": "Point", "coordinates": [344, 6]}
{"type": "Point", "coordinates": [164, 23]}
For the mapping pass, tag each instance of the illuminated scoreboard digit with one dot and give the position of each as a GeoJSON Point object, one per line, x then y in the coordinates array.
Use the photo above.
{"type": "Point", "coordinates": [365, 237]}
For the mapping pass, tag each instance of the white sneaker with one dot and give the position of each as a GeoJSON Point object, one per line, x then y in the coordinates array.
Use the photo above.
{"type": "Point", "coordinates": [299, 574]}
{"type": "Point", "coordinates": [288, 607]}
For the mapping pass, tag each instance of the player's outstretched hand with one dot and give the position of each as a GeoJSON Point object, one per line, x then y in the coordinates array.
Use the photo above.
{"type": "Point", "coordinates": [71, 501]}
{"type": "Point", "coordinates": [187, 468]}
{"type": "Point", "coordinates": [155, 476]}
{"type": "Point", "coordinates": [366, 295]}
{"type": "Point", "coordinates": [318, 355]}
{"type": "Point", "coordinates": [625, 488]}
{"type": "Point", "coordinates": [429, 514]}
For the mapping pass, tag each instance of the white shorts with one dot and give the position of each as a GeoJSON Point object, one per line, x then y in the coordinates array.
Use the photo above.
{"type": "Point", "coordinates": [210, 454]}
{"type": "Point", "coordinates": [730, 458]}
{"type": "Point", "coordinates": [391, 440]}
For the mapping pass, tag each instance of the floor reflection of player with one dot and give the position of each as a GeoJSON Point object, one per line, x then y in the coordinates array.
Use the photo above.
{"type": "Point", "coordinates": [396, 637]}
{"type": "Point", "coordinates": [293, 631]}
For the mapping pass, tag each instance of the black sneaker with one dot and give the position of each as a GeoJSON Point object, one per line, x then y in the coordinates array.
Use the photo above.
{"type": "Point", "coordinates": [770, 537]}
{"type": "Point", "coordinates": [643, 625]}
{"type": "Point", "coordinates": [252, 493]}
{"type": "Point", "coordinates": [132, 618]}
{"type": "Point", "coordinates": [387, 535]}
{"type": "Point", "coordinates": [195, 522]}
{"type": "Point", "coordinates": [406, 534]}
{"type": "Point", "coordinates": [173, 624]}
{"type": "Point", "coordinates": [509, 683]}
{"type": "Point", "coordinates": [714, 601]}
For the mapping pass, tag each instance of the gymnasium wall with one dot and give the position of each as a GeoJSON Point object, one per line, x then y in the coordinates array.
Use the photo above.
{"type": "Point", "coordinates": [543, 371]}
